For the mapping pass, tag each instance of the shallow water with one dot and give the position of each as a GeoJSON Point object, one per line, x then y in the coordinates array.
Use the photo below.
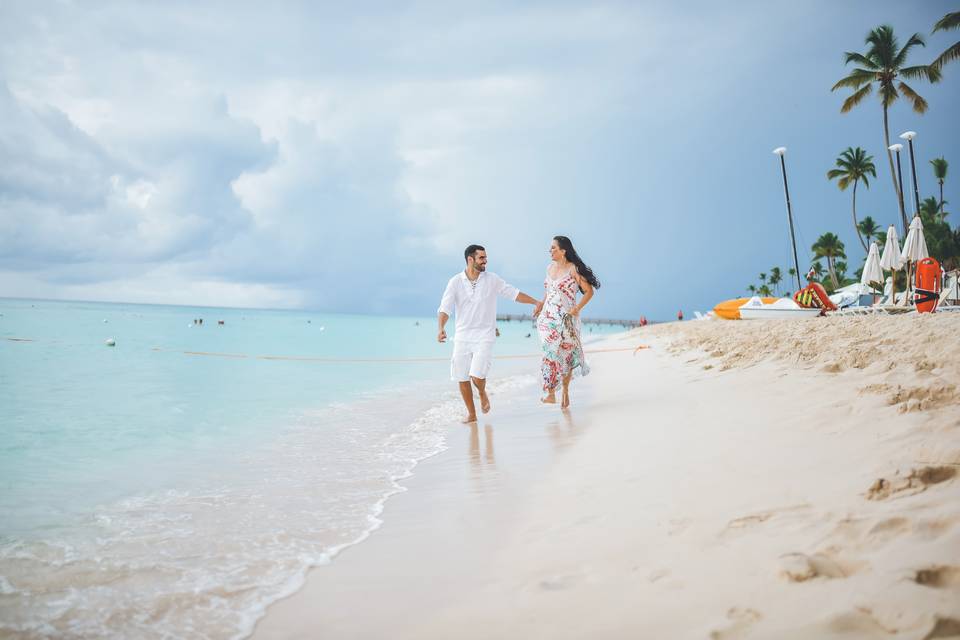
{"type": "Point", "coordinates": [151, 491]}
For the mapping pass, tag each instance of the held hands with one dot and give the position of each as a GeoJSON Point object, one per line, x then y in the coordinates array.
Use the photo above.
{"type": "Point", "coordinates": [442, 336]}
{"type": "Point", "coordinates": [575, 311]}
{"type": "Point", "coordinates": [537, 308]}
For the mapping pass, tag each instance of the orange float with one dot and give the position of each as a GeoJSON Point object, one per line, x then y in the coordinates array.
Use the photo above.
{"type": "Point", "coordinates": [927, 283]}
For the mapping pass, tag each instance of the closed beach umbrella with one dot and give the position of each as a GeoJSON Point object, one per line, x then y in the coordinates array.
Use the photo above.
{"type": "Point", "coordinates": [890, 260]}
{"type": "Point", "coordinates": [871, 268]}
{"type": "Point", "coordinates": [914, 247]}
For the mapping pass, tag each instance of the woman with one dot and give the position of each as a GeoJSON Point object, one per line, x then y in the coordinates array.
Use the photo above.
{"type": "Point", "coordinates": [559, 321]}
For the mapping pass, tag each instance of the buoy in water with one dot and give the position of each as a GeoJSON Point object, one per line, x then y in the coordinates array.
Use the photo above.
{"type": "Point", "coordinates": [104, 321]}
{"type": "Point", "coordinates": [111, 342]}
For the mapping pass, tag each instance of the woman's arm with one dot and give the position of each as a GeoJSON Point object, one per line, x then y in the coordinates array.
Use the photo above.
{"type": "Point", "coordinates": [587, 294]}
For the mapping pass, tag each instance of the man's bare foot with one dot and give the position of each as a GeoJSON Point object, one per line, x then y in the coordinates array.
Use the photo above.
{"type": "Point", "coordinates": [566, 399]}
{"type": "Point", "coordinates": [469, 419]}
{"type": "Point", "coordinates": [484, 402]}
{"type": "Point", "coordinates": [550, 399]}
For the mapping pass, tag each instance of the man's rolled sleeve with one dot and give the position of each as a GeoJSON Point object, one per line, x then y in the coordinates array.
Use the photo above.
{"type": "Point", "coordinates": [507, 291]}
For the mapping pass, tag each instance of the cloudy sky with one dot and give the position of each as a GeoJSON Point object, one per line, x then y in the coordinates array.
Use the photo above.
{"type": "Point", "coordinates": [339, 156]}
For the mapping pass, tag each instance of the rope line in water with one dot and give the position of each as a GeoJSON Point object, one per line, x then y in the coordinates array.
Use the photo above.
{"type": "Point", "coordinates": [214, 354]}
{"type": "Point", "coordinates": [243, 356]}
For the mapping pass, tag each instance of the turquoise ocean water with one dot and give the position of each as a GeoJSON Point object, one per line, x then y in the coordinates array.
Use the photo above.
{"type": "Point", "coordinates": [150, 490]}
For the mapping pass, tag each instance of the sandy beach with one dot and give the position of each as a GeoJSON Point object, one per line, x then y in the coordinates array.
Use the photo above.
{"type": "Point", "coordinates": [778, 479]}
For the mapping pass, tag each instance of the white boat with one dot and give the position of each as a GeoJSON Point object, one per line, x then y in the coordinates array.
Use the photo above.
{"type": "Point", "coordinates": [755, 309]}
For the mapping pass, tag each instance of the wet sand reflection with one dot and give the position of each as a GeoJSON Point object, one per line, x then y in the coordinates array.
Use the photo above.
{"type": "Point", "coordinates": [487, 459]}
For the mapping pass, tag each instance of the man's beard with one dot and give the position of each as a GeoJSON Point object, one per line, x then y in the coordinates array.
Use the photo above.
{"type": "Point", "coordinates": [480, 267]}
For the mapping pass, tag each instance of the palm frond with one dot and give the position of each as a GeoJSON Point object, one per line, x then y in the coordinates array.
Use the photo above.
{"type": "Point", "coordinates": [856, 79]}
{"type": "Point", "coordinates": [901, 57]}
{"type": "Point", "coordinates": [939, 168]}
{"type": "Point", "coordinates": [919, 104]}
{"type": "Point", "coordinates": [926, 72]}
{"type": "Point", "coordinates": [888, 94]}
{"type": "Point", "coordinates": [952, 53]}
{"type": "Point", "coordinates": [947, 22]}
{"type": "Point", "coordinates": [859, 58]}
{"type": "Point", "coordinates": [856, 98]}
{"type": "Point", "coordinates": [883, 46]}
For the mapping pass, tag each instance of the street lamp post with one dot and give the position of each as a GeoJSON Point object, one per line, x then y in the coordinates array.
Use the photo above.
{"type": "Point", "coordinates": [897, 148]}
{"type": "Point", "coordinates": [909, 136]}
{"type": "Point", "coordinates": [781, 151]}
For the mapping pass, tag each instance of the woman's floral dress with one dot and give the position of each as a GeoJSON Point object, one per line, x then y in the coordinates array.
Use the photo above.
{"type": "Point", "coordinates": [560, 332]}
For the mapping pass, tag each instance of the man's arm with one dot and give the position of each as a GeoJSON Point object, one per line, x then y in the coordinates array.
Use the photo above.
{"type": "Point", "coordinates": [442, 321]}
{"type": "Point", "coordinates": [511, 292]}
{"type": "Point", "coordinates": [525, 299]}
{"type": "Point", "coordinates": [447, 304]}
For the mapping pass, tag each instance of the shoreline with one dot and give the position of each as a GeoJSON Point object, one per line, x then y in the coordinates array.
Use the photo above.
{"type": "Point", "coordinates": [761, 495]}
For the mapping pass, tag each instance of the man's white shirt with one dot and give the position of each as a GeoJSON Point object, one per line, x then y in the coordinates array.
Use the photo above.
{"type": "Point", "coordinates": [475, 305]}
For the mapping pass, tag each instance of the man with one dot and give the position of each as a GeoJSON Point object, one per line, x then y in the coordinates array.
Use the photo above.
{"type": "Point", "coordinates": [472, 294]}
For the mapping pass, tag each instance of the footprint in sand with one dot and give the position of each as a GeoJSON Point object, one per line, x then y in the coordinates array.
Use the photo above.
{"type": "Point", "coordinates": [799, 567]}
{"type": "Point", "coordinates": [938, 577]}
{"type": "Point", "coordinates": [887, 530]}
{"type": "Point", "coordinates": [746, 522]}
{"type": "Point", "coordinates": [742, 620]}
{"type": "Point", "coordinates": [917, 481]}
{"type": "Point", "coordinates": [944, 628]}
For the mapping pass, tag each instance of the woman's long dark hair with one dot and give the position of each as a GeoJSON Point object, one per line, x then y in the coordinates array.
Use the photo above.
{"type": "Point", "coordinates": [585, 272]}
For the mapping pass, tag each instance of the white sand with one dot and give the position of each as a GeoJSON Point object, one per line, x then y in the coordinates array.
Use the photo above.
{"type": "Point", "coordinates": [793, 479]}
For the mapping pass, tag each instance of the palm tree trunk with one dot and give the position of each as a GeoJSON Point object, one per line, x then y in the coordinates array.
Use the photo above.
{"type": "Point", "coordinates": [856, 227]}
{"type": "Point", "coordinates": [833, 274]}
{"type": "Point", "coordinates": [893, 171]}
{"type": "Point", "coordinates": [941, 202]}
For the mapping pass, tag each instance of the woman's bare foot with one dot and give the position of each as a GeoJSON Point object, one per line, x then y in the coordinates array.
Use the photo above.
{"type": "Point", "coordinates": [566, 399]}
{"type": "Point", "coordinates": [550, 399]}
{"type": "Point", "coordinates": [484, 402]}
{"type": "Point", "coordinates": [469, 419]}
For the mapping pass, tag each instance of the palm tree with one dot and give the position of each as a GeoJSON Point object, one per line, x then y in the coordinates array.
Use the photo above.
{"type": "Point", "coordinates": [947, 22]}
{"type": "Point", "coordinates": [882, 239]}
{"type": "Point", "coordinates": [764, 291]}
{"type": "Point", "coordinates": [841, 268]}
{"type": "Point", "coordinates": [817, 268]}
{"type": "Point", "coordinates": [775, 277]}
{"type": "Point", "coordinates": [931, 210]}
{"type": "Point", "coordinates": [855, 165]}
{"type": "Point", "coordinates": [881, 64]}
{"type": "Point", "coordinates": [940, 172]}
{"type": "Point", "coordinates": [868, 227]}
{"type": "Point", "coordinates": [829, 246]}
{"type": "Point", "coordinates": [752, 288]}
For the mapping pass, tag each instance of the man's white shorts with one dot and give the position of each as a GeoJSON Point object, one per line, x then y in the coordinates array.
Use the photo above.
{"type": "Point", "coordinates": [470, 360]}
